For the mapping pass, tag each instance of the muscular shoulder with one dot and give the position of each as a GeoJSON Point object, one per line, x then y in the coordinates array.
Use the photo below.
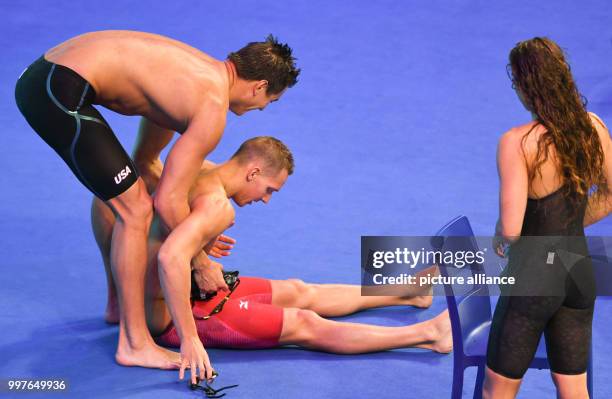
{"type": "Point", "coordinates": [212, 101]}
{"type": "Point", "coordinates": [204, 76]}
{"type": "Point", "coordinates": [216, 206]}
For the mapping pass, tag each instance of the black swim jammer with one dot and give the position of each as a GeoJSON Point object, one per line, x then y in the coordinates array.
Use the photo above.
{"type": "Point", "coordinates": [554, 295]}
{"type": "Point", "coordinates": [57, 103]}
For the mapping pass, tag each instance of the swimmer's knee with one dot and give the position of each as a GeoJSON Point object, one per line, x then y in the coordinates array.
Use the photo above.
{"type": "Point", "coordinates": [134, 206]}
{"type": "Point", "coordinates": [302, 293]}
{"type": "Point", "coordinates": [139, 213]}
{"type": "Point", "coordinates": [297, 284]}
{"type": "Point", "coordinates": [300, 325]}
{"type": "Point", "coordinates": [99, 207]}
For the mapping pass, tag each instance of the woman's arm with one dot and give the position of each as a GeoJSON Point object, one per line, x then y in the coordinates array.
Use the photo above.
{"type": "Point", "coordinates": [599, 207]}
{"type": "Point", "coordinates": [513, 185]}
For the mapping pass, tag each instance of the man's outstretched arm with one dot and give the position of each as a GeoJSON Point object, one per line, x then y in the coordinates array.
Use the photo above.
{"type": "Point", "coordinates": [207, 220]}
{"type": "Point", "coordinates": [182, 166]}
{"type": "Point", "coordinates": [151, 140]}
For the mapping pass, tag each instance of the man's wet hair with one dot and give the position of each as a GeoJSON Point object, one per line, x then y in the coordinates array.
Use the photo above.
{"type": "Point", "coordinates": [269, 60]}
{"type": "Point", "coordinates": [272, 151]}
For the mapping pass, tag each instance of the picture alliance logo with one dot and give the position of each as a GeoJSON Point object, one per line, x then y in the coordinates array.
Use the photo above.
{"type": "Point", "coordinates": [122, 175]}
{"type": "Point", "coordinates": [412, 258]}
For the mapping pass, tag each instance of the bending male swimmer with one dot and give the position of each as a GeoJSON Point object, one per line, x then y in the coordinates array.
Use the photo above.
{"type": "Point", "coordinates": [264, 313]}
{"type": "Point", "coordinates": [174, 87]}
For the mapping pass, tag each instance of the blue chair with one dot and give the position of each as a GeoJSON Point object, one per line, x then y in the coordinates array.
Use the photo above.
{"type": "Point", "coordinates": [470, 314]}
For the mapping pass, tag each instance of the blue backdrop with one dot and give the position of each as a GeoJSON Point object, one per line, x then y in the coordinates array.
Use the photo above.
{"type": "Point", "coordinates": [393, 125]}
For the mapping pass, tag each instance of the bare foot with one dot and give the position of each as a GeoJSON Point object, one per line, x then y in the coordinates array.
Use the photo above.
{"type": "Point", "coordinates": [421, 301]}
{"type": "Point", "coordinates": [111, 314]}
{"type": "Point", "coordinates": [426, 298]}
{"type": "Point", "coordinates": [151, 356]}
{"type": "Point", "coordinates": [443, 343]}
{"type": "Point", "coordinates": [432, 271]}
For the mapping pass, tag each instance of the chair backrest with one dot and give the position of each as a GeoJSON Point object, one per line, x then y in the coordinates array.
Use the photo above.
{"type": "Point", "coordinates": [470, 310]}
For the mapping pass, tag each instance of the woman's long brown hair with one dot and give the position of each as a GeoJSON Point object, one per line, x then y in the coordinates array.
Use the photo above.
{"type": "Point", "coordinates": [544, 81]}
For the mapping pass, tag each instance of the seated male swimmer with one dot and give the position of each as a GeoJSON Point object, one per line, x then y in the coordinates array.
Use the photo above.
{"type": "Point", "coordinates": [264, 313]}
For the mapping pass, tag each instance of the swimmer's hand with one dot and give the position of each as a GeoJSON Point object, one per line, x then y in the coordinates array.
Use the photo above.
{"type": "Point", "coordinates": [498, 241]}
{"type": "Point", "coordinates": [209, 277]}
{"type": "Point", "coordinates": [500, 246]}
{"type": "Point", "coordinates": [151, 173]}
{"type": "Point", "coordinates": [221, 247]}
{"type": "Point", "coordinates": [194, 357]}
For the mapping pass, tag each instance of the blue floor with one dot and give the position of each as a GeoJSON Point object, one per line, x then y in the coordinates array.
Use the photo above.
{"type": "Point", "coordinates": [393, 125]}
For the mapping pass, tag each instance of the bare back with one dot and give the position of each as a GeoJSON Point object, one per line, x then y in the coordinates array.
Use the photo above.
{"type": "Point", "coordinates": [137, 73]}
{"type": "Point", "coordinates": [516, 156]}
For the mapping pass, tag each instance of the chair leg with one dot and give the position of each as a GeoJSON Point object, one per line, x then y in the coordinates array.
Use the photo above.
{"type": "Point", "coordinates": [457, 392]}
{"type": "Point", "coordinates": [479, 382]}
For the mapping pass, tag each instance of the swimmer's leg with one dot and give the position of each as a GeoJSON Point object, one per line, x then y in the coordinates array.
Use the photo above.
{"type": "Point", "coordinates": [307, 329]}
{"type": "Point", "coordinates": [133, 211]}
{"type": "Point", "coordinates": [332, 300]}
{"type": "Point", "coordinates": [499, 386]}
{"type": "Point", "coordinates": [95, 155]}
{"type": "Point", "coordinates": [571, 386]}
{"type": "Point", "coordinates": [57, 103]}
{"type": "Point", "coordinates": [150, 141]}
{"type": "Point", "coordinates": [102, 223]}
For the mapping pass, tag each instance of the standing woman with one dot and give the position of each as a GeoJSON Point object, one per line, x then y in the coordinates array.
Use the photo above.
{"type": "Point", "coordinates": [554, 174]}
